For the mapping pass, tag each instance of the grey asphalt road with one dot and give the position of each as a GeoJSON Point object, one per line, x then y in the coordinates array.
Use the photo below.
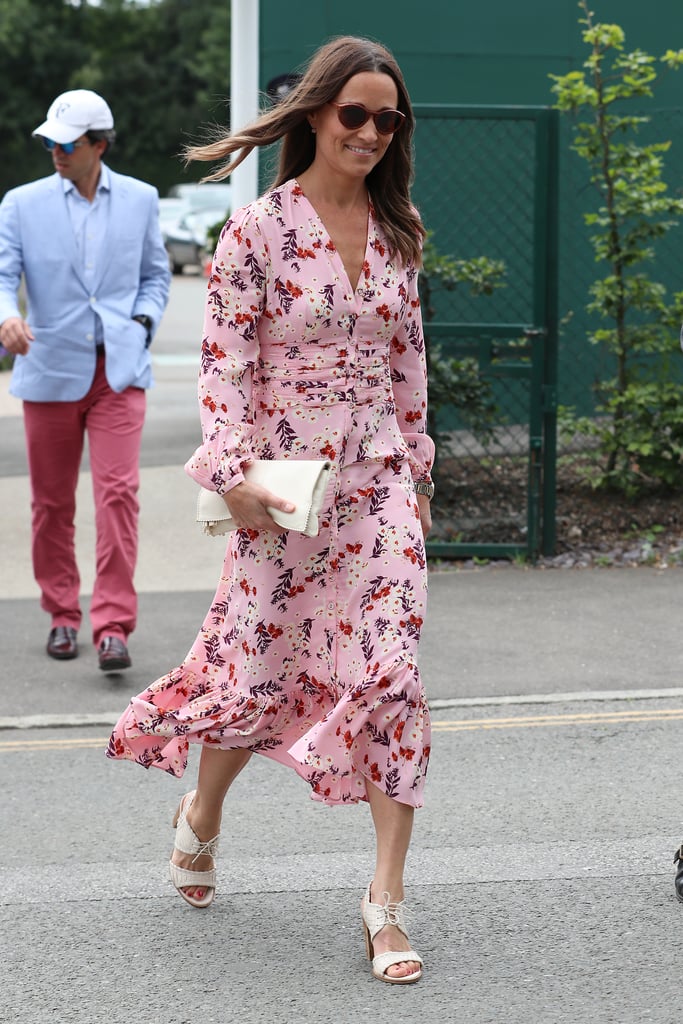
{"type": "Point", "coordinates": [540, 872]}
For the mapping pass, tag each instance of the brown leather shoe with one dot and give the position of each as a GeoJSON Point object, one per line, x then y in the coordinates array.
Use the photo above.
{"type": "Point", "coordinates": [61, 643]}
{"type": "Point", "coordinates": [113, 654]}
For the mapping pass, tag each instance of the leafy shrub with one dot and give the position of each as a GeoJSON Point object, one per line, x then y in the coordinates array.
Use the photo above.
{"type": "Point", "coordinates": [639, 424]}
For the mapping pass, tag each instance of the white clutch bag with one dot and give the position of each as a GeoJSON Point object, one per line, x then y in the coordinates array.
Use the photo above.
{"type": "Point", "coordinates": [303, 482]}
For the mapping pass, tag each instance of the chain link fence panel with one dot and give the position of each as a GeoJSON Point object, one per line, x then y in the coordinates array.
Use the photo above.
{"type": "Point", "coordinates": [477, 187]}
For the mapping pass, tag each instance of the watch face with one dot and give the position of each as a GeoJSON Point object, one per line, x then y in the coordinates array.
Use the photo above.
{"type": "Point", "coordinates": [425, 488]}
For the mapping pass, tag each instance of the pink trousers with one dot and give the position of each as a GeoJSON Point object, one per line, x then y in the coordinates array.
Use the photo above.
{"type": "Point", "coordinates": [55, 433]}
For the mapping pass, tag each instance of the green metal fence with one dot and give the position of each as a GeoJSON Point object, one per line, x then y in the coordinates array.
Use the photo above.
{"type": "Point", "coordinates": [487, 186]}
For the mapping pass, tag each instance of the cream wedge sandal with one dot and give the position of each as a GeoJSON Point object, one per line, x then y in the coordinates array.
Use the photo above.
{"type": "Point", "coordinates": [187, 841]}
{"type": "Point", "coordinates": [375, 917]}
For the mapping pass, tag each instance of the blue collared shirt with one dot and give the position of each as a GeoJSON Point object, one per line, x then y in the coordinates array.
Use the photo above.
{"type": "Point", "coordinates": [89, 223]}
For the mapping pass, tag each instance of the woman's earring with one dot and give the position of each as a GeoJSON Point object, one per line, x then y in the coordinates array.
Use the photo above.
{"type": "Point", "coordinates": [312, 129]}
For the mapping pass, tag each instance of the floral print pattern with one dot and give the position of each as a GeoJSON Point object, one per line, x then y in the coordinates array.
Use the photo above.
{"type": "Point", "coordinates": [308, 653]}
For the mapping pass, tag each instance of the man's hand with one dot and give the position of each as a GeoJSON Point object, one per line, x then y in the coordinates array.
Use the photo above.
{"type": "Point", "coordinates": [247, 504]}
{"type": "Point", "coordinates": [16, 335]}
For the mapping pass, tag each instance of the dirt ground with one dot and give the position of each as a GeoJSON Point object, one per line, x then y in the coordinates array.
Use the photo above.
{"type": "Point", "coordinates": [485, 502]}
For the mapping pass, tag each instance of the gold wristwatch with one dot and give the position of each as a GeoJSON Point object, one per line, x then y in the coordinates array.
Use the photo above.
{"type": "Point", "coordinates": [422, 487]}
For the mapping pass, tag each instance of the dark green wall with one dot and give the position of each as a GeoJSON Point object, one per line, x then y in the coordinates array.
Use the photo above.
{"type": "Point", "coordinates": [497, 52]}
{"type": "Point", "coordinates": [452, 51]}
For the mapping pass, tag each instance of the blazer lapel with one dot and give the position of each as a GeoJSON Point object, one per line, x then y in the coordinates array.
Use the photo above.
{"type": "Point", "coordinates": [61, 226]}
{"type": "Point", "coordinates": [116, 217]}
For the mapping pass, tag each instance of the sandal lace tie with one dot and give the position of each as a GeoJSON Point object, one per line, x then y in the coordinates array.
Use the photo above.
{"type": "Point", "coordinates": [209, 848]}
{"type": "Point", "coordinates": [394, 913]}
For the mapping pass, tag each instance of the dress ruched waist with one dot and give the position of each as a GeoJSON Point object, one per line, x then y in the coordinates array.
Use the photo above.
{"type": "Point", "coordinates": [329, 375]}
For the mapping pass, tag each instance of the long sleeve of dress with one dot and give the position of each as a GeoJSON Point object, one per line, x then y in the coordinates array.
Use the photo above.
{"type": "Point", "coordinates": [409, 381]}
{"type": "Point", "coordinates": [235, 302]}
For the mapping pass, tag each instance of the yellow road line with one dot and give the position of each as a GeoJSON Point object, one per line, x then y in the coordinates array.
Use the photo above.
{"type": "Point", "coordinates": [534, 721]}
{"type": "Point", "coordinates": [52, 744]}
{"type": "Point", "coordinates": [457, 725]}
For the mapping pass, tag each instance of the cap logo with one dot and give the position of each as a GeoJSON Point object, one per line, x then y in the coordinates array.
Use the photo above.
{"type": "Point", "coordinates": [62, 109]}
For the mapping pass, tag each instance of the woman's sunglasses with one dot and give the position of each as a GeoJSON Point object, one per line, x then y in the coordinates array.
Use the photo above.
{"type": "Point", "coordinates": [66, 147]}
{"type": "Point", "coordinates": [355, 115]}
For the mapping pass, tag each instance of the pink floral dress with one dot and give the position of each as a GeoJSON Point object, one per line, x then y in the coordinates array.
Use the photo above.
{"type": "Point", "coordinates": [308, 653]}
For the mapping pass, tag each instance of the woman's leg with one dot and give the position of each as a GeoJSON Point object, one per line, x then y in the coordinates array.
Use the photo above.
{"type": "Point", "coordinates": [393, 823]}
{"type": "Point", "coordinates": [218, 769]}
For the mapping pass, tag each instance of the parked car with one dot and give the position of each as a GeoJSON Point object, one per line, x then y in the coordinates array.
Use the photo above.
{"type": "Point", "coordinates": [170, 211]}
{"type": "Point", "coordinates": [185, 240]}
{"type": "Point", "coordinates": [185, 220]}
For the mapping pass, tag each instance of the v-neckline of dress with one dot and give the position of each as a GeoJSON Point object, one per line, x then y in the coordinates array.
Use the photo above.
{"type": "Point", "coordinates": [335, 252]}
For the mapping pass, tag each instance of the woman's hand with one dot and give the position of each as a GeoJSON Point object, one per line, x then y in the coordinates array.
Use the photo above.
{"type": "Point", "coordinates": [424, 505]}
{"type": "Point", "coordinates": [247, 504]}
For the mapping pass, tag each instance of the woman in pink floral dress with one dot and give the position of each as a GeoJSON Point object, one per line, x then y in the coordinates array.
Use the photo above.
{"type": "Point", "coordinates": [313, 348]}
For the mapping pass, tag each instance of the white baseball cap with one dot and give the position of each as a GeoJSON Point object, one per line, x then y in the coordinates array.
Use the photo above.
{"type": "Point", "coordinates": [73, 114]}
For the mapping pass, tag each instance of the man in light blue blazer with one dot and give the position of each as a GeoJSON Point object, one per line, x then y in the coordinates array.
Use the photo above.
{"type": "Point", "coordinates": [88, 245]}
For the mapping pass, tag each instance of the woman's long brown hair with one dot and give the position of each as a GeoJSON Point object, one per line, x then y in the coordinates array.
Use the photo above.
{"type": "Point", "coordinates": [328, 71]}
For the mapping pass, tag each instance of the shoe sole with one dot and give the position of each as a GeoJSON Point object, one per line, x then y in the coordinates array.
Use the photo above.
{"type": "Point", "coordinates": [115, 664]}
{"type": "Point", "coordinates": [69, 656]}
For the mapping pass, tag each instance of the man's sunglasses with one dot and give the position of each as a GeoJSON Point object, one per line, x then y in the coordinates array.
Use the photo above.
{"type": "Point", "coordinates": [66, 147]}
{"type": "Point", "coordinates": [355, 115]}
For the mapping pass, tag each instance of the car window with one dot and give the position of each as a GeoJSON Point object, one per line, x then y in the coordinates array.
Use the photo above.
{"type": "Point", "coordinates": [200, 196]}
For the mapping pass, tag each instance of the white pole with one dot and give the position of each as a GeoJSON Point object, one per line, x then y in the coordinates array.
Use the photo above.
{"type": "Point", "coordinates": [244, 91]}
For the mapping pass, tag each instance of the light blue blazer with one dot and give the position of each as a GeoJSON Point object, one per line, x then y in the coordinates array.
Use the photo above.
{"type": "Point", "coordinates": [36, 239]}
